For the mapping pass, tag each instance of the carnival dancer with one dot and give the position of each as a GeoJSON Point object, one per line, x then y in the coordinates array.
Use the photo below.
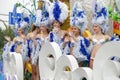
{"type": "Point", "coordinates": [31, 43]}
{"type": "Point", "coordinates": [58, 13]}
{"type": "Point", "coordinates": [44, 33]}
{"type": "Point", "coordinates": [79, 43]}
{"type": "Point", "coordinates": [18, 43]}
{"type": "Point", "coordinates": [65, 44]}
{"type": "Point", "coordinates": [38, 36]}
{"type": "Point", "coordinates": [100, 26]}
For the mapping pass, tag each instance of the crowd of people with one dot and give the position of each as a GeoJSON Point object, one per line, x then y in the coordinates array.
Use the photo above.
{"type": "Point", "coordinates": [71, 41]}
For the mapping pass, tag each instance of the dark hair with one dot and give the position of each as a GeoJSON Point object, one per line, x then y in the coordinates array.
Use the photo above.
{"type": "Point", "coordinates": [47, 28]}
{"type": "Point", "coordinates": [58, 22]}
{"type": "Point", "coordinates": [34, 27]}
{"type": "Point", "coordinates": [65, 35]}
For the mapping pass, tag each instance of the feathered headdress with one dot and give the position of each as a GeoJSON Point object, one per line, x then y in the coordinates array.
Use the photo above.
{"type": "Point", "coordinates": [42, 15]}
{"type": "Point", "coordinates": [22, 21]}
{"type": "Point", "coordinates": [58, 11]}
{"type": "Point", "coordinates": [100, 15]}
{"type": "Point", "coordinates": [78, 17]}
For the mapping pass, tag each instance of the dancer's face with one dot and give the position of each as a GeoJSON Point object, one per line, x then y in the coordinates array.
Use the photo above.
{"type": "Point", "coordinates": [75, 30]}
{"type": "Point", "coordinates": [19, 31]}
{"type": "Point", "coordinates": [97, 29]}
{"type": "Point", "coordinates": [43, 29]}
{"type": "Point", "coordinates": [56, 24]}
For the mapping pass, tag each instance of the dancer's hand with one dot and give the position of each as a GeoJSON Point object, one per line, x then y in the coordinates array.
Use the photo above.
{"type": "Point", "coordinates": [7, 38]}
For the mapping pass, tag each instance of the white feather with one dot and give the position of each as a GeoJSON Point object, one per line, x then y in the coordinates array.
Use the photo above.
{"type": "Point", "coordinates": [64, 12]}
{"type": "Point", "coordinates": [78, 21]}
{"type": "Point", "coordinates": [24, 24]}
{"type": "Point", "coordinates": [38, 17]}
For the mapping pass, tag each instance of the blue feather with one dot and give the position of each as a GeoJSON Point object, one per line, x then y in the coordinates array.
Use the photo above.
{"type": "Point", "coordinates": [29, 48]}
{"type": "Point", "coordinates": [56, 11]}
{"type": "Point", "coordinates": [83, 50]}
{"type": "Point", "coordinates": [18, 22]}
{"type": "Point", "coordinates": [13, 48]}
{"type": "Point", "coordinates": [87, 42]}
{"type": "Point", "coordinates": [44, 12]}
{"type": "Point", "coordinates": [51, 37]}
{"type": "Point", "coordinates": [26, 19]}
{"type": "Point", "coordinates": [38, 39]}
{"type": "Point", "coordinates": [102, 12]}
{"type": "Point", "coordinates": [80, 14]}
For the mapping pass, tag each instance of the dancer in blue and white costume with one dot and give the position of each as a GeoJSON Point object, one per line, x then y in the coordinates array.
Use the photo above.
{"type": "Point", "coordinates": [32, 43]}
{"type": "Point", "coordinates": [80, 44]}
{"type": "Point", "coordinates": [37, 38]}
{"type": "Point", "coordinates": [58, 14]}
{"type": "Point", "coordinates": [100, 26]}
{"type": "Point", "coordinates": [65, 44]}
{"type": "Point", "coordinates": [18, 43]}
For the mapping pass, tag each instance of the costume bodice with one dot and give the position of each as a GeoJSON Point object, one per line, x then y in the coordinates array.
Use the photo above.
{"type": "Point", "coordinates": [95, 41]}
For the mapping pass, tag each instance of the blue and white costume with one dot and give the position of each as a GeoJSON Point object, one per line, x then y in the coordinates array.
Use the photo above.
{"type": "Point", "coordinates": [100, 18]}
{"type": "Point", "coordinates": [35, 51]}
{"type": "Point", "coordinates": [55, 37]}
{"type": "Point", "coordinates": [80, 50]}
{"type": "Point", "coordinates": [42, 18]}
{"type": "Point", "coordinates": [11, 47]}
{"type": "Point", "coordinates": [115, 38]}
{"type": "Point", "coordinates": [8, 47]}
{"type": "Point", "coordinates": [100, 15]}
{"type": "Point", "coordinates": [44, 40]}
{"type": "Point", "coordinates": [58, 12]}
{"type": "Point", "coordinates": [78, 19]}
{"type": "Point", "coordinates": [66, 50]}
{"type": "Point", "coordinates": [95, 41]}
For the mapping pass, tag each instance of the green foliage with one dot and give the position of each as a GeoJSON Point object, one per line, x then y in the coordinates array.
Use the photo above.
{"type": "Point", "coordinates": [7, 32]}
{"type": "Point", "coordinates": [114, 13]}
